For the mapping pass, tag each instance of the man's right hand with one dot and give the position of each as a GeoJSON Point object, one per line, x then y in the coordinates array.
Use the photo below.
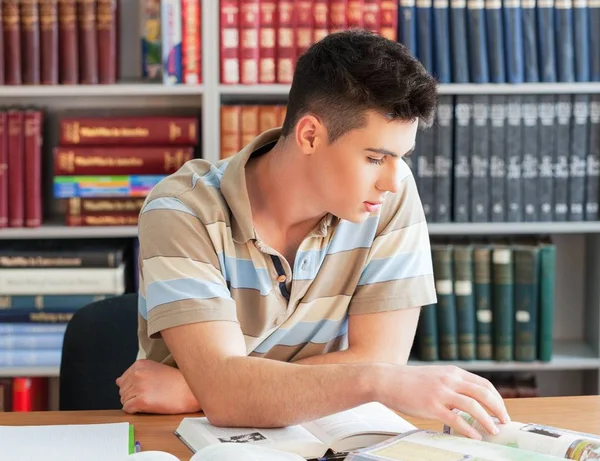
{"type": "Point", "coordinates": [432, 392]}
{"type": "Point", "coordinates": [152, 387]}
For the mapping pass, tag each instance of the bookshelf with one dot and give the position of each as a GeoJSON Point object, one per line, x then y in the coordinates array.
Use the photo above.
{"type": "Point", "coordinates": [575, 367]}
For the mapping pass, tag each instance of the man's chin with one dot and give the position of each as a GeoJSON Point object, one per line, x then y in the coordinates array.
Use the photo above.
{"type": "Point", "coordinates": [357, 217]}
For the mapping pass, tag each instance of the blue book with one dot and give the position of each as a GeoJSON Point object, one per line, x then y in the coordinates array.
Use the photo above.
{"type": "Point", "coordinates": [513, 41]}
{"type": "Point", "coordinates": [171, 29]}
{"type": "Point", "coordinates": [29, 358]}
{"type": "Point", "coordinates": [581, 40]}
{"type": "Point", "coordinates": [48, 302]}
{"type": "Point", "coordinates": [424, 36]}
{"type": "Point", "coordinates": [458, 38]}
{"type": "Point", "coordinates": [495, 40]}
{"type": "Point", "coordinates": [104, 186]}
{"type": "Point", "coordinates": [31, 342]}
{"type": "Point", "coordinates": [594, 28]}
{"type": "Point", "coordinates": [478, 58]}
{"type": "Point", "coordinates": [530, 41]}
{"type": "Point", "coordinates": [407, 25]}
{"type": "Point", "coordinates": [546, 48]}
{"type": "Point", "coordinates": [565, 52]}
{"type": "Point", "coordinates": [31, 328]}
{"type": "Point", "coordinates": [441, 32]}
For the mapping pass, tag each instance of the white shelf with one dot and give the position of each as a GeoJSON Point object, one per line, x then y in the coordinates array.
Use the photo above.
{"type": "Point", "coordinates": [67, 232]}
{"type": "Point", "coordinates": [10, 372]}
{"type": "Point", "coordinates": [119, 89]}
{"type": "Point", "coordinates": [568, 355]}
{"type": "Point", "coordinates": [583, 227]}
{"type": "Point", "coordinates": [253, 90]}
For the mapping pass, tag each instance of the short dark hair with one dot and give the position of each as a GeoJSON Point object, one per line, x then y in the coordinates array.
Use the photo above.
{"type": "Point", "coordinates": [348, 73]}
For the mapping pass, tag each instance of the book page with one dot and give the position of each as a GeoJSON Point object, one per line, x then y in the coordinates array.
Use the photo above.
{"type": "Point", "coordinates": [541, 439]}
{"type": "Point", "coordinates": [358, 427]}
{"type": "Point", "coordinates": [198, 433]}
{"type": "Point", "coordinates": [435, 446]}
{"type": "Point", "coordinates": [245, 452]}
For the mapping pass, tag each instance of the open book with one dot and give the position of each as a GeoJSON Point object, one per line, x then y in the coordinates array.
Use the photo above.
{"type": "Point", "coordinates": [349, 430]}
{"type": "Point", "coordinates": [515, 442]}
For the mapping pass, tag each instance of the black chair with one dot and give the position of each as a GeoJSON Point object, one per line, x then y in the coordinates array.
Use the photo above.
{"type": "Point", "coordinates": [100, 344]}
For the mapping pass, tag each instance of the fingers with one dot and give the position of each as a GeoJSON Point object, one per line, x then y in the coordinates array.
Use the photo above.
{"type": "Point", "coordinates": [130, 406]}
{"type": "Point", "coordinates": [474, 409]}
{"type": "Point", "coordinates": [485, 392]}
{"type": "Point", "coordinates": [452, 419]}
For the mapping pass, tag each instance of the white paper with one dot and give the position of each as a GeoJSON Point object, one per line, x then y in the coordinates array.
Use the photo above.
{"type": "Point", "coordinates": [76, 442]}
{"type": "Point", "coordinates": [245, 452]}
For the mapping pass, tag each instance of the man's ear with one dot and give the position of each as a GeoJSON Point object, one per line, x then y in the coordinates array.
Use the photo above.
{"type": "Point", "coordinates": [310, 134]}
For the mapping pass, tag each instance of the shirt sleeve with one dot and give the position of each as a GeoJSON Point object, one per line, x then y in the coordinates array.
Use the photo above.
{"type": "Point", "coordinates": [180, 277]}
{"type": "Point", "coordinates": [398, 273]}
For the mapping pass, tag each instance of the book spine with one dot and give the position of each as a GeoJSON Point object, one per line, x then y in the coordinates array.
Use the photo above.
{"type": "Point", "coordinates": [514, 159]}
{"type": "Point", "coordinates": [530, 41]}
{"type": "Point", "coordinates": [30, 42]}
{"type": "Point", "coordinates": [191, 42]}
{"type": "Point", "coordinates": [5, 395]}
{"type": "Point", "coordinates": [88, 42]}
{"type": "Point", "coordinates": [231, 142]}
{"type": "Point", "coordinates": [441, 50]}
{"type": "Point", "coordinates": [458, 38]}
{"type": "Point", "coordinates": [389, 19]}
{"type": "Point", "coordinates": [546, 44]}
{"type": "Point", "coordinates": [428, 334]}
{"type": "Point", "coordinates": [424, 37]}
{"type": "Point", "coordinates": [579, 152]}
{"type": "Point", "coordinates": [105, 186]}
{"type": "Point", "coordinates": [29, 394]}
{"type": "Point", "coordinates": [443, 159]}
{"type": "Point", "coordinates": [28, 329]}
{"type": "Point", "coordinates": [3, 170]}
{"type": "Point", "coordinates": [426, 171]}
{"type": "Point", "coordinates": [2, 67]}
{"type": "Point", "coordinates": [483, 301]}
{"type": "Point", "coordinates": [147, 131]}
{"type": "Point", "coordinates": [78, 259]}
{"type": "Point", "coordinates": [30, 342]}
{"type": "Point", "coordinates": [268, 30]}
{"type": "Point", "coordinates": [503, 296]}
{"type": "Point", "coordinates": [103, 220]}
{"type": "Point", "coordinates": [338, 17]}
{"type": "Point", "coordinates": [32, 141]}
{"type": "Point", "coordinates": [49, 42]}
{"type": "Point", "coordinates": [495, 41]}
{"type": "Point", "coordinates": [286, 45]}
{"type": "Point", "coordinates": [230, 42]}
{"type": "Point", "coordinates": [462, 165]}
{"type": "Point", "coordinates": [529, 165]}
{"type": "Point", "coordinates": [305, 26]}
{"type": "Point", "coordinates": [27, 358]}
{"type": "Point", "coordinates": [102, 207]}
{"type": "Point", "coordinates": [68, 55]}
{"type": "Point", "coordinates": [446, 307]}
{"type": "Point", "coordinates": [16, 173]}
{"type": "Point", "coordinates": [547, 259]}
{"type": "Point", "coordinates": [249, 44]}
{"type": "Point", "coordinates": [355, 14]}
{"type": "Point", "coordinates": [546, 156]}
{"type": "Point", "coordinates": [592, 186]}
{"type": "Point", "coordinates": [41, 318]}
{"type": "Point", "coordinates": [497, 158]}
{"type": "Point", "coordinates": [480, 160]}
{"type": "Point", "coordinates": [465, 301]}
{"type": "Point", "coordinates": [171, 24]}
{"type": "Point", "coordinates": [581, 40]}
{"type": "Point", "coordinates": [564, 113]}
{"type": "Point", "coordinates": [594, 37]}
{"type": "Point", "coordinates": [107, 41]}
{"type": "Point", "coordinates": [267, 117]}
{"type": "Point", "coordinates": [565, 53]}
{"type": "Point", "coordinates": [526, 303]}
{"type": "Point", "coordinates": [372, 15]}
{"type": "Point", "coordinates": [513, 35]}
{"type": "Point", "coordinates": [119, 160]}
{"type": "Point", "coordinates": [476, 29]}
{"type": "Point", "coordinates": [12, 42]}
{"type": "Point", "coordinates": [249, 124]}
{"type": "Point", "coordinates": [151, 39]}
{"type": "Point", "coordinates": [407, 25]}
{"type": "Point", "coordinates": [320, 15]}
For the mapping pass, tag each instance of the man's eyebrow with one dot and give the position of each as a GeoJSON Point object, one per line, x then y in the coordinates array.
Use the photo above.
{"type": "Point", "coordinates": [382, 151]}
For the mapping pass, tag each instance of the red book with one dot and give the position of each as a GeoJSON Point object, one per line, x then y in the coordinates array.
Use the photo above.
{"type": "Point", "coordinates": [109, 206]}
{"type": "Point", "coordinates": [88, 42]}
{"type": "Point", "coordinates": [191, 42]}
{"type": "Point", "coordinates": [267, 41]}
{"type": "Point", "coordinates": [151, 160]}
{"type": "Point", "coordinates": [249, 47]}
{"type": "Point", "coordinates": [338, 15]}
{"type": "Point", "coordinates": [372, 15]}
{"type": "Point", "coordinates": [49, 42]}
{"type": "Point", "coordinates": [33, 168]}
{"type": "Point", "coordinates": [141, 131]}
{"type": "Point", "coordinates": [321, 17]}
{"type": "Point", "coordinates": [29, 394]}
{"type": "Point", "coordinates": [106, 26]}
{"type": "Point", "coordinates": [12, 42]}
{"type": "Point", "coordinates": [16, 173]}
{"type": "Point", "coordinates": [231, 141]}
{"type": "Point", "coordinates": [388, 27]}
{"type": "Point", "coordinates": [355, 14]}
{"type": "Point", "coordinates": [30, 42]}
{"type": "Point", "coordinates": [1, 47]}
{"type": "Point", "coordinates": [3, 171]}
{"type": "Point", "coordinates": [103, 220]}
{"type": "Point", "coordinates": [286, 41]}
{"type": "Point", "coordinates": [67, 39]}
{"type": "Point", "coordinates": [305, 25]}
{"type": "Point", "coordinates": [230, 42]}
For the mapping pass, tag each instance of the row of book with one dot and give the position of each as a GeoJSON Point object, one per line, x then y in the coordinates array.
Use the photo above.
{"type": "Point", "coordinates": [171, 40]}
{"type": "Point", "coordinates": [495, 301]}
{"type": "Point", "coordinates": [262, 39]}
{"type": "Point", "coordinates": [24, 394]}
{"type": "Point", "coordinates": [59, 42]}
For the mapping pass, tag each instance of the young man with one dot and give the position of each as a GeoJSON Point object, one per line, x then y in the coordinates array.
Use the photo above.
{"type": "Point", "coordinates": [286, 282]}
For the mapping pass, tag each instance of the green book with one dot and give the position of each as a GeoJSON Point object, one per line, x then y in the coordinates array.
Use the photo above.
{"type": "Point", "coordinates": [446, 309]}
{"type": "Point", "coordinates": [483, 301]}
{"type": "Point", "coordinates": [465, 301]}
{"type": "Point", "coordinates": [547, 259]}
{"type": "Point", "coordinates": [503, 302]}
{"type": "Point", "coordinates": [428, 334]}
{"type": "Point", "coordinates": [526, 264]}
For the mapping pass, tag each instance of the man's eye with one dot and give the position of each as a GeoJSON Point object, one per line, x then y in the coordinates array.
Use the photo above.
{"type": "Point", "coordinates": [376, 161]}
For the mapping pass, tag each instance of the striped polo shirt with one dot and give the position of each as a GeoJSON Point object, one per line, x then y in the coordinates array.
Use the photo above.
{"type": "Point", "coordinates": [201, 260]}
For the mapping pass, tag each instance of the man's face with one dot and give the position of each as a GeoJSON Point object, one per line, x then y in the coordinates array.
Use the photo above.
{"type": "Point", "coordinates": [354, 174]}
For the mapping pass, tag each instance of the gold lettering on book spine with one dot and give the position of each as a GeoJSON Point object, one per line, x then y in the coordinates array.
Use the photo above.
{"type": "Point", "coordinates": [10, 15]}
{"type": "Point", "coordinates": [68, 14]}
{"type": "Point", "coordinates": [355, 10]}
{"type": "Point", "coordinates": [174, 131]}
{"type": "Point", "coordinates": [87, 14]}
{"type": "Point", "coordinates": [48, 14]}
{"type": "Point", "coordinates": [108, 132]}
{"type": "Point", "coordinates": [74, 206]}
{"type": "Point", "coordinates": [338, 14]}
{"type": "Point", "coordinates": [14, 128]}
{"type": "Point", "coordinates": [173, 161]}
{"type": "Point", "coordinates": [110, 220]}
{"type": "Point", "coordinates": [105, 14]}
{"type": "Point", "coordinates": [31, 126]}
{"type": "Point", "coordinates": [107, 205]}
{"type": "Point", "coordinates": [66, 161]}
{"type": "Point", "coordinates": [71, 132]}
{"type": "Point", "coordinates": [320, 12]}
{"type": "Point", "coordinates": [29, 15]}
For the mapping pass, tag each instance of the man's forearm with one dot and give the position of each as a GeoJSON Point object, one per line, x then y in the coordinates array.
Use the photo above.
{"type": "Point", "coordinates": [256, 392]}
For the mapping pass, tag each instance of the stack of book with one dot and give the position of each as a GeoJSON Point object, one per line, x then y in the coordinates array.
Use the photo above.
{"type": "Point", "coordinates": [59, 42]}
{"type": "Point", "coordinates": [107, 166]}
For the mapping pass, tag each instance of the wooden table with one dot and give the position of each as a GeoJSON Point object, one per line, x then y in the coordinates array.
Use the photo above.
{"type": "Point", "coordinates": [155, 432]}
